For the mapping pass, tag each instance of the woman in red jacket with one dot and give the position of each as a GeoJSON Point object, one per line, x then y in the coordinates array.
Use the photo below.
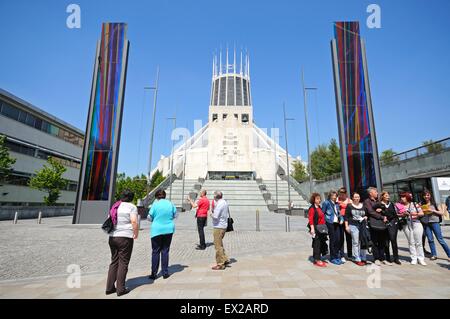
{"type": "Point", "coordinates": [316, 217]}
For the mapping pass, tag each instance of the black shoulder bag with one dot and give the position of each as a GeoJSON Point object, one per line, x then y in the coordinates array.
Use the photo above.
{"type": "Point", "coordinates": [321, 229]}
{"type": "Point", "coordinates": [108, 225]}
{"type": "Point", "coordinates": [230, 222]}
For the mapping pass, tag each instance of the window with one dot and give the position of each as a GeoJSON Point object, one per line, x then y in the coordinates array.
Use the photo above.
{"type": "Point", "coordinates": [18, 148]}
{"type": "Point", "coordinates": [54, 130]}
{"type": "Point", "coordinates": [222, 90]}
{"type": "Point", "coordinates": [238, 91]}
{"type": "Point", "coordinates": [31, 120]}
{"type": "Point", "coordinates": [236, 116]}
{"type": "Point", "coordinates": [244, 84]}
{"type": "Point", "coordinates": [38, 123]}
{"type": "Point", "coordinates": [230, 89]}
{"type": "Point", "coordinates": [214, 117]}
{"type": "Point", "coordinates": [216, 92]}
{"type": "Point", "coordinates": [224, 116]}
{"type": "Point", "coordinates": [10, 111]}
{"type": "Point", "coordinates": [43, 155]}
{"type": "Point", "coordinates": [244, 118]}
{"type": "Point", "coordinates": [23, 117]}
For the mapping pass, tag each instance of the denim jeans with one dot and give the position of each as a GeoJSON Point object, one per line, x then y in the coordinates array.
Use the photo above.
{"type": "Point", "coordinates": [358, 253]}
{"type": "Point", "coordinates": [413, 232]}
{"type": "Point", "coordinates": [436, 229]}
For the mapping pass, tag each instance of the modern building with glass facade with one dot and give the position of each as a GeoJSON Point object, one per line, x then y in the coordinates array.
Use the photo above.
{"type": "Point", "coordinates": [33, 136]}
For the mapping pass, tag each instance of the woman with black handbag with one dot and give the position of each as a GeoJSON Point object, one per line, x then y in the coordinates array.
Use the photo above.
{"type": "Point", "coordinates": [388, 210]}
{"type": "Point", "coordinates": [355, 214]}
{"type": "Point", "coordinates": [378, 227]}
{"type": "Point", "coordinates": [121, 240]}
{"type": "Point", "coordinates": [318, 229]}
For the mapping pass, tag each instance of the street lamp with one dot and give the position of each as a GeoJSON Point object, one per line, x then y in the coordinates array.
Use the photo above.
{"type": "Point", "coordinates": [287, 156]}
{"type": "Point", "coordinates": [155, 97]}
{"type": "Point", "coordinates": [307, 130]}
{"type": "Point", "coordinates": [174, 119]}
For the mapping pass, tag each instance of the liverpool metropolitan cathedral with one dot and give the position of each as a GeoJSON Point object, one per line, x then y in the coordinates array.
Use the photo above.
{"type": "Point", "coordinates": [230, 145]}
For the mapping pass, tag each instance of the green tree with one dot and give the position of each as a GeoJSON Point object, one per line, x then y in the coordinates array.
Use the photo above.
{"type": "Point", "coordinates": [6, 161]}
{"type": "Point", "coordinates": [433, 147]}
{"type": "Point", "coordinates": [388, 157]}
{"type": "Point", "coordinates": [137, 184]}
{"type": "Point", "coordinates": [156, 179]}
{"type": "Point", "coordinates": [326, 160]}
{"type": "Point", "coordinates": [49, 179]}
{"type": "Point", "coordinates": [300, 174]}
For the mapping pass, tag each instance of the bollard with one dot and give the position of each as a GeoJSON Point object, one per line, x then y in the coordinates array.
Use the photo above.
{"type": "Point", "coordinates": [16, 217]}
{"type": "Point", "coordinates": [285, 223]}
{"type": "Point", "coordinates": [289, 223]}
{"type": "Point", "coordinates": [39, 217]}
{"type": "Point", "coordinates": [257, 220]}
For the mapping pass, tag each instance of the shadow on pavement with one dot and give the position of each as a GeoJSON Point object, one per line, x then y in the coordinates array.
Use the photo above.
{"type": "Point", "coordinates": [133, 283]}
{"type": "Point", "coordinates": [176, 268]}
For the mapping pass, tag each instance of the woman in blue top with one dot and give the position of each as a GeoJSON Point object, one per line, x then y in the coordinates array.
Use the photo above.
{"type": "Point", "coordinates": [162, 214]}
{"type": "Point", "coordinates": [334, 220]}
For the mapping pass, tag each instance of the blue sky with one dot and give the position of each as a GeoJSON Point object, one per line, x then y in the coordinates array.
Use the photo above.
{"type": "Point", "coordinates": [50, 65]}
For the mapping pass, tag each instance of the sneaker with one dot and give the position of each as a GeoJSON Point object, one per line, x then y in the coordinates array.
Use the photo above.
{"type": "Point", "coordinates": [152, 277]}
{"type": "Point", "coordinates": [166, 276]}
{"type": "Point", "coordinates": [422, 262]}
{"type": "Point", "coordinates": [377, 262]}
{"type": "Point", "coordinates": [343, 260]}
{"type": "Point", "coordinates": [360, 263]}
{"type": "Point", "coordinates": [320, 263]}
{"type": "Point", "coordinates": [387, 263]}
{"type": "Point", "coordinates": [433, 258]}
{"type": "Point", "coordinates": [414, 262]}
{"type": "Point", "coordinates": [398, 262]}
{"type": "Point", "coordinates": [336, 261]}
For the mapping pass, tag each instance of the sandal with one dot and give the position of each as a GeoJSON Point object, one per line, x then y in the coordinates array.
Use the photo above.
{"type": "Point", "coordinates": [218, 267]}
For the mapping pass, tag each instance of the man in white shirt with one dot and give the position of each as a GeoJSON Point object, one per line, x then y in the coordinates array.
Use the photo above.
{"type": "Point", "coordinates": [219, 216]}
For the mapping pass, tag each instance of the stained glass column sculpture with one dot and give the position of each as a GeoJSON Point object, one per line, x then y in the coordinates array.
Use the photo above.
{"type": "Point", "coordinates": [359, 153]}
{"type": "Point", "coordinates": [101, 147]}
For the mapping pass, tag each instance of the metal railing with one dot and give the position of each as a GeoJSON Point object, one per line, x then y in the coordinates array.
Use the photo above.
{"type": "Point", "coordinates": [432, 148]}
{"type": "Point", "coordinates": [147, 200]}
{"type": "Point", "coordinates": [427, 149]}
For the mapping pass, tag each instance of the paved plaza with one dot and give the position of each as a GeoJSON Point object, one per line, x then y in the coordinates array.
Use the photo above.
{"type": "Point", "coordinates": [270, 263]}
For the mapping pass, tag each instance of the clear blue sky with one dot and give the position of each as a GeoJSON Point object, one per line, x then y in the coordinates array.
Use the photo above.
{"type": "Point", "coordinates": [49, 65]}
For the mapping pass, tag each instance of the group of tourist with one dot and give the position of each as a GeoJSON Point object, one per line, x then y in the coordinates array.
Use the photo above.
{"type": "Point", "coordinates": [124, 215]}
{"type": "Point", "coordinates": [373, 224]}
{"type": "Point", "coordinates": [370, 224]}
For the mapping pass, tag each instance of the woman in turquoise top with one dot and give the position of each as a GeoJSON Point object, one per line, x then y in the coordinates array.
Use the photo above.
{"type": "Point", "coordinates": [162, 214]}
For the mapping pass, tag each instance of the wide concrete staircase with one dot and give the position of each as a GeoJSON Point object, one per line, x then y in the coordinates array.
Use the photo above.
{"type": "Point", "coordinates": [241, 195]}
{"type": "Point", "coordinates": [297, 200]}
{"type": "Point", "coordinates": [178, 198]}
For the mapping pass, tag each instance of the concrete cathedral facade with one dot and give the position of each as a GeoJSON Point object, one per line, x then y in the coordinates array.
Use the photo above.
{"type": "Point", "coordinates": [230, 145]}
